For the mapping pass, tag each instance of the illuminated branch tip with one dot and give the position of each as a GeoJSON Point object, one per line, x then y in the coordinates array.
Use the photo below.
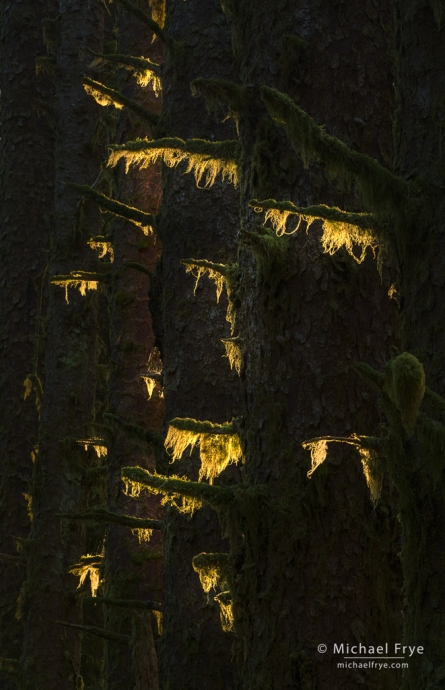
{"type": "Point", "coordinates": [144, 70]}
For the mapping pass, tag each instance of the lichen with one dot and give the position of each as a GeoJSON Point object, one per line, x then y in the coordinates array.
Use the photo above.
{"type": "Point", "coordinates": [206, 159]}
{"type": "Point", "coordinates": [219, 444]}
{"type": "Point", "coordinates": [234, 352]}
{"type": "Point", "coordinates": [89, 566]}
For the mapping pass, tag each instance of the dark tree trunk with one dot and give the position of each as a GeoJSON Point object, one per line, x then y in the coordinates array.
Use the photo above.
{"type": "Point", "coordinates": [51, 653]}
{"type": "Point", "coordinates": [316, 560]}
{"type": "Point", "coordinates": [26, 200]}
{"type": "Point", "coordinates": [133, 566]}
{"type": "Point", "coordinates": [198, 224]}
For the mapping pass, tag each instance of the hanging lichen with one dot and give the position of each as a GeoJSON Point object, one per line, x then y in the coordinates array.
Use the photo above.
{"type": "Point", "coordinates": [143, 535]}
{"type": "Point", "coordinates": [373, 471]}
{"type": "Point", "coordinates": [223, 275]}
{"type": "Point", "coordinates": [103, 245]}
{"type": "Point", "coordinates": [145, 71]}
{"type": "Point", "coordinates": [98, 444]}
{"type": "Point", "coordinates": [340, 228]}
{"type": "Point", "coordinates": [158, 11]}
{"type": "Point", "coordinates": [224, 599]}
{"type": "Point", "coordinates": [28, 499]}
{"type": "Point", "coordinates": [234, 352]}
{"type": "Point", "coordinates": [33, 383]}
{"type": "Point", "coordinates": [187, 505]}
{"type": "Point", "coordinates": [211, 568]}
{"type": "Point", "coordinates": [100, 97]}
{"type": "Point", "coordinates": [319, 451]}
{"type": "Point", "coordinates": [89, 566]}
{"type": "Point", "coordinates": [82, 280]}
{"type": "Point", "coordinates": [206, 159]}
{"type": "Point", "coordinates": [219, 444]}
{"type": "Point", "coordinates": [150, 383]}
{"type": "Point", "coordinates": [405, 385]}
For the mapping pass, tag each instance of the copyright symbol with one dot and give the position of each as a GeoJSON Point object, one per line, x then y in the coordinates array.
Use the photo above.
{"type": "Point", "coordinates": [322, 648]}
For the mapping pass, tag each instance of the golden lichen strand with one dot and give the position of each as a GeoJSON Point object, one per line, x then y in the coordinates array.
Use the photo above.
{"type": "Point", "coordinates": [206, 159]}
{"type": "Point", "coordinates": [219, 444]}
{"type": "Point", "coordinates": [216, 272]}
{"type": "Point", "coordinates": [105, 96]}
{"type": "Point", "coordinates": [83, 280]}
{"type": "Point", "coordinates": [89, 566]}
{"type": "Point", "coordinates": [405, 385]}
{"type": "Point", "coordinates": [380, 190]}
{"type": "Point", "coordinates": [211, 569]}
{"type": "Point", "coordinates": [152, 24]}
{"type": "Point", "coordinates": [224, 599]}
{"type": "Point", "coordinates": [33, 383]}
{"type": "Point", "coordinates": [143, 220]}
{"type": "Point", "coordinates": [234, 352]}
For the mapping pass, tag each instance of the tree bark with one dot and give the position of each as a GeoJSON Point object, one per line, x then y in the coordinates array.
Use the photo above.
{"type": "Point", "coordinates": [51, 655]}
{"type": "Point", "coordinates": [26, 174]}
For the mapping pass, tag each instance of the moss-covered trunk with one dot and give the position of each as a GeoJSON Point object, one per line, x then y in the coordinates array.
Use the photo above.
{"type": "Point", "coordinates": [316, 562]}
{"type": "Point", "coordinates": [51, 651]}
{"type": "Point", "coordinates": [26, 175]}
{"type": "Point", "coordinates": [417, 462]}
{"type": "Point", "coordinates": [133, 561]}
{"type": "Point", "coordinates": [199, 384]}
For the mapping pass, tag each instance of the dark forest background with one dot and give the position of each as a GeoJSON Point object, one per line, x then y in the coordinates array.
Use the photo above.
{"type": "Point", "coordinates": [222, 343]}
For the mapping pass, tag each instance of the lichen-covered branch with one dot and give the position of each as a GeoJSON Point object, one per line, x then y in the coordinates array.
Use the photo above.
{"type": "Point", "coordinates": [205, 158]}
{"type": "Point", "coordinates": [212, 569]}
{"type": "Point", "coordinates": [143, 220]}
{"type": "Point", "coordinates": [84, 280]}
{"type": "Point", "coordinates": [102, 515]}
{"type": "Point", "coordinates": [340, 228]}
{"type": "Point", "coordinates": [219, 444]}
{"type": "Point", "coordinates": [217, 497]}
{"type": "Point", "coordinates": [223, 275]}
{"type": "Point", "coordinates": [138, 267]}
{"type": "Point", "coordinates": [126, 603]}
{"type": "Point", "coordinates": [144, 70]}
{"type": "Point", "coordinates": [104, 95]}
{"type": "Point", "coordinates": [100, 632]}
{"type": "Point", "coordinates": [380, 190]}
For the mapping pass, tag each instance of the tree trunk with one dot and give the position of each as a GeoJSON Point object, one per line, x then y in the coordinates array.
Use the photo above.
{"type": "Point", "coordinates": [26, 174]}
{"type": "Point", "coordinates": [198, 224]}
{"type": "Point", "coordinates": [316, 561]}
{"type": "Point", "coordinates": [51, 652]}
{"type": "Point", "coordinates": [133, 563]}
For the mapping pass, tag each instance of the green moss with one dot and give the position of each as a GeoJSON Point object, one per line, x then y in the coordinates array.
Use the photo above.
{"type": "Point", "coordinates": [380, 190]}
{"type": "Point", "coordinates": [270, 252]}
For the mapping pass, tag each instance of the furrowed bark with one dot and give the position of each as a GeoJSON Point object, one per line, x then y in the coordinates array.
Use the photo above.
{"type": "Point", "coordinates": [133, 568]}
{"type": "Point", "coordinates": [51, 658]}
{"type": "Point", "coordinates": [195, 653]}
{"type": "Point", "coordinates": [322, 564]}
{"type": "Point", "coordinates": [26, 147]}
{"type": "Point", "coordinates": [414, 462]}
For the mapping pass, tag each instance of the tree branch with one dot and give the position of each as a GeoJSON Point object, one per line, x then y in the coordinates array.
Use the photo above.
{"type": "Point", "coordinates": [143, 220]}
{"type": "Point", "coordinates": [380, 190]}
{"type": "Point", "coordinates": [125, 603]}
{"type": "Point", "coordinates": [102, 515]}
{"type": "Point", "coordinates": [216, 496]}
{"type": "Point", "coordinates": [90, 85]}
{"type": "Point", "coordinates": [100, 632]}
{"type": "Point", "coordinates": [320, 212]}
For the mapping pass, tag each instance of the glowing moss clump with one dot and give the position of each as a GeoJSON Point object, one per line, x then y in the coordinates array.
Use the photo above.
{"type": "Point", "coordinates": [405, 385]}
{"type": "Point", "coordinates": [219, 444]}
{"type": "Point", "coordinates": [206, 159]}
